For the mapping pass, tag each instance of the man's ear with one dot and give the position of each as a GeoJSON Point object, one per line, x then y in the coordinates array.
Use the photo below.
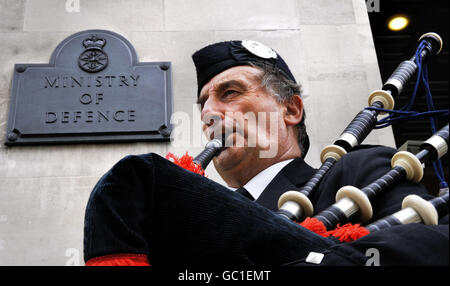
{"type": "Point", "coordinates": [294, 111]}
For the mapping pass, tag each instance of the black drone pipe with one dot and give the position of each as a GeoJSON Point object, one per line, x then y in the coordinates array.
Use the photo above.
{"type": "Point", "coordinates": [295, 205]}
{"type": "Point", "coordinates": [354, 205]}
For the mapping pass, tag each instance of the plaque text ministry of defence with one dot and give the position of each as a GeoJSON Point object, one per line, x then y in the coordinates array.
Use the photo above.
{"type": "Point", "coordinates": [93, 90]}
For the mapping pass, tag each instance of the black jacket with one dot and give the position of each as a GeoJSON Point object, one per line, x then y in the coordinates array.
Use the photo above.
{"type": "Point", "coordinates": [357, 168]}
{"type": "Point", "coordinates": [146, 205]}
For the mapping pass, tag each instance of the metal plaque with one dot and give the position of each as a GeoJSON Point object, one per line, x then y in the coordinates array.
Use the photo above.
{"type": "Point", "coordinates": [94, 89]}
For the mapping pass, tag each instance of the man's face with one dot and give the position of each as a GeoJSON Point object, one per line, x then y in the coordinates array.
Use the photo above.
{"type": "Point", "coordinates": [236, 107]}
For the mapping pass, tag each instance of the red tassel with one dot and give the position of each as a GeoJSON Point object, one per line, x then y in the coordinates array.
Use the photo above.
{"type": "Point", "coordinates": [186, 162]}
{"type": "Point", "coordinates": [348, 232]}
{"type": "Point", "coordinates": [315, 225]}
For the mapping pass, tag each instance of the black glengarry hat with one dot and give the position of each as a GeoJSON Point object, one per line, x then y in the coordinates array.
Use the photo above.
{"type": "Point", "coordinates": [215, 58]}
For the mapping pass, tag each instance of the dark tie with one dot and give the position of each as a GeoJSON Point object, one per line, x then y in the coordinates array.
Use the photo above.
{"type": "Point", "coordinates": [245, 193]}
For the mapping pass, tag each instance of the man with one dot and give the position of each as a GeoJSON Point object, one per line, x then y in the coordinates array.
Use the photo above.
{"type": "Point", "coordinates": [147, 210]}
{"type": "Point", "coordinates": [243, 81]}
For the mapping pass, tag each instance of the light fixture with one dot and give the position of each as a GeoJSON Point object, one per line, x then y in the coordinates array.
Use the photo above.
{"type": "Point", "coordinates": [398, 22]}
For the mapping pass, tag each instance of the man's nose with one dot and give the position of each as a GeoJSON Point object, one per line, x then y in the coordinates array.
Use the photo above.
{"type": "Point", "coordinates": [212, 118]}
{"type": "Point", "coordinates": [213, 112]}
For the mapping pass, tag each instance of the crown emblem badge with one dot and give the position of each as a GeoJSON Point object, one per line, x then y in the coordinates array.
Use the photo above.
{"type": "Point", "coordinates": [93, 58]}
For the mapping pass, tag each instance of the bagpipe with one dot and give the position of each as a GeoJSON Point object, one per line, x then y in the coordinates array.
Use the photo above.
{"type": "Point", "coordinates": [148, 210]}
{"type": "Point", "coordinates": [295, 205]}
{"type": "Point", "coordinates": [353, 205]}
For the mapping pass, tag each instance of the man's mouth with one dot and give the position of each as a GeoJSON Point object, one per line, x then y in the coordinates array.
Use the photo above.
{"type": "Point", "coordinates": [228, 130]}
{"type": "Point", "coordinates": [228, 137]}
{"type": "Point", "coordinates": [222, 132]}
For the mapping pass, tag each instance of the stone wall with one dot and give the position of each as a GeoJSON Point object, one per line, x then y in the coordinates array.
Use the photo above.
{"type": "Point", "coordinates": [44, 189]}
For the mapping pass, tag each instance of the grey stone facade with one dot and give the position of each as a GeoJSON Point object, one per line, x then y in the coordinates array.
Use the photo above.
{"type": "Point", "coordinates": [44, 189]}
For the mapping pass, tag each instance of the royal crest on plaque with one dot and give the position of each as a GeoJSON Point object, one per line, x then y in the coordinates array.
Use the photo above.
{"type": "Point", "coordinates": [93, 58]}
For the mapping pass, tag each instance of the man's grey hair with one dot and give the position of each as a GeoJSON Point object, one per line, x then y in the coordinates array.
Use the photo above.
{"type": "Point", "coordinates": [283, 89]}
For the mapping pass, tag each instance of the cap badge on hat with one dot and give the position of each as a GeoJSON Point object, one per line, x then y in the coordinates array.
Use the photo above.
{"type": "Point", "coordinates": [259, 49]}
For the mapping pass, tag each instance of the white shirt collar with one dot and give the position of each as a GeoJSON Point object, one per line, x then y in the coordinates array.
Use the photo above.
{"type": "Point", "coordinates": [259, 182]}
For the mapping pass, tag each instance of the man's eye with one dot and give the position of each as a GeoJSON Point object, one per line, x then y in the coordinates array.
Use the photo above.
{"type": "Point", "coordinates": [229, 92]}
